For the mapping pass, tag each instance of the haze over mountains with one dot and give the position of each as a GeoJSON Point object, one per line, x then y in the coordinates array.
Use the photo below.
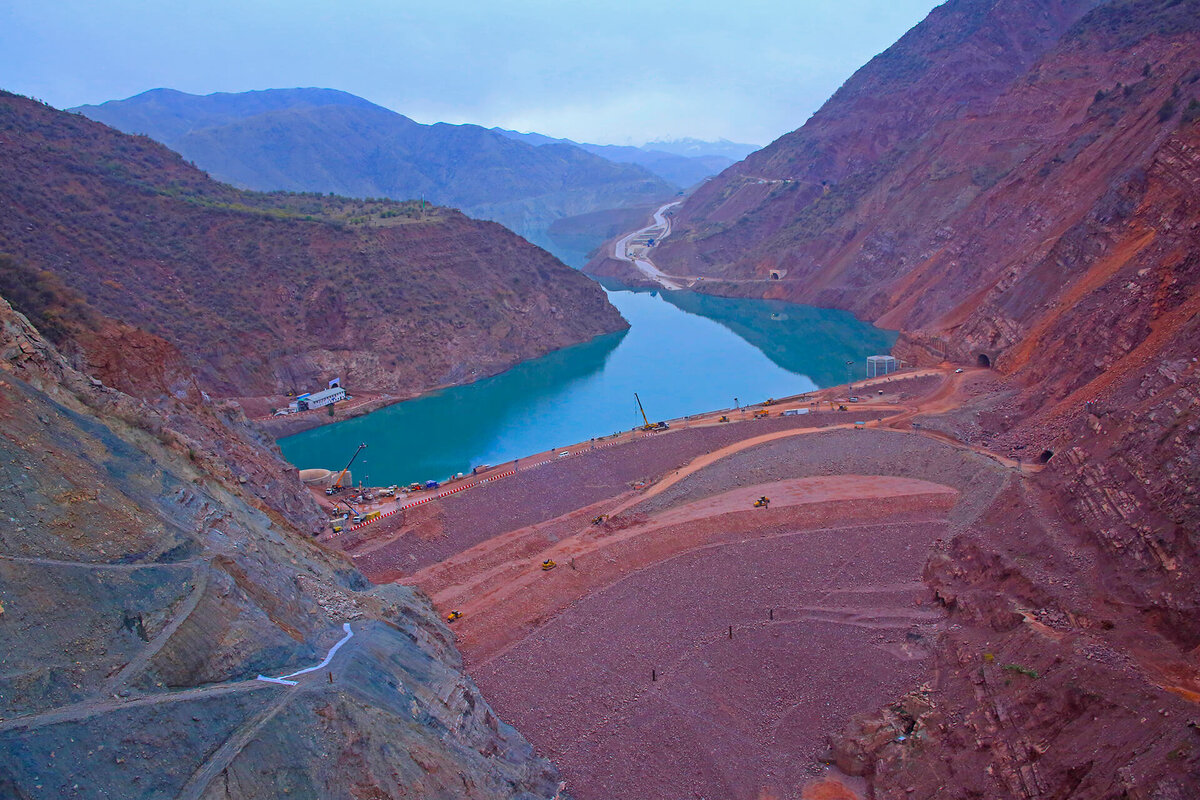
{"type": "Point", "coordinates": [323, 140]}
{"type": "Point", "coordinates": [684, 162]}
{"type": "Point", "coordinates": [1014, 185]}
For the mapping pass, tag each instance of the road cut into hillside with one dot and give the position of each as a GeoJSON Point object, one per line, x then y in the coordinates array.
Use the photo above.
{"type": "Point", "coordinates": [707, 647]}
{"type": "Point", "coordinates": [687, 643]}
{"type": "Point", "coordinates": [503, 597]}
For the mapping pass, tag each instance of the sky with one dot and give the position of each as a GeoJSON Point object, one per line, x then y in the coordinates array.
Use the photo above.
{"type": "Point", "coordinates": [603, 72]}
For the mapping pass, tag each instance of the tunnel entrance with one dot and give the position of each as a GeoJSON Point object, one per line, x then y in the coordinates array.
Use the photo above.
{"type": "Point", "coordinates": [984, 361]}
{"type": "Point", "coordinates": [1046, 456]}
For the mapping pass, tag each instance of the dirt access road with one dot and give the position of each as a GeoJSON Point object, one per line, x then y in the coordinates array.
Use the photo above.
{"type": "Point", "coordinates": [661, 228]}
{"type": "Point", "coordinates": [690, 643]}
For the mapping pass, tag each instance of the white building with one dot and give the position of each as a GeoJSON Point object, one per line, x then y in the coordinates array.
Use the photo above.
{"type": "Point", "coordinates": [326, 397]}
{"type": "Point", "coordinates": [318, 400]}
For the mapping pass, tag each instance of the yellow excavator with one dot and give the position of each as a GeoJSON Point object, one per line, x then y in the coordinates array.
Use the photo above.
{"type": "Point", "coordinates": [453, 615]}
{"type": "Point", "coordinates": [762, 502]}
{"type": "Point", "coordinates": [599, 520]}
{"type": "Point", "coordinates": [723, 418]}
{"type": "Point", "coordinates": [548, 565]}
{"type": "Point", "coordinates": [647, 426]}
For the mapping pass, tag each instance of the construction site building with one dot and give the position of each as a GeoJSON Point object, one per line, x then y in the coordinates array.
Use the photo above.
{"type": "Point", "coordinates": [880, 365]}
{"type": "Point", "coordinates": [326, 397]}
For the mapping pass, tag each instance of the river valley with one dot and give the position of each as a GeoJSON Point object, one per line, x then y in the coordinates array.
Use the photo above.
{"type": "Point", "coordinates": [684, 353]}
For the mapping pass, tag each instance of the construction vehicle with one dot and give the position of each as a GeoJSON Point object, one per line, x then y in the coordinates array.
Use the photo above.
{"type": "Point", "coordinates": [770, 401]}
{"type": "Point", "coordinates": [762, 502]}
{"type": "Point", "coordinates": [647, 426]}
{"type": "Point", "coordinates": [761, 413]}
{"type": "Point", "coordinates": [548, 565]}
{"type": "Point", "coordinates": [600, 519]}
{"type": "Point", "coordinates": [453, 615]}
{"type": "Point", "coordinates": [724, 418]}
{"type": "Point", "coordinates": [337, 485]}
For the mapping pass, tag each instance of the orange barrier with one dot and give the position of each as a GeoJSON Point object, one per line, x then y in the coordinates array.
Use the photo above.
{"type": "Point", "coordinates": [430, 498]}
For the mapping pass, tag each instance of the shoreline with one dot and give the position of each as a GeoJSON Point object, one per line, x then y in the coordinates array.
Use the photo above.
{"type": "Point", "coordinates": [873, 412]}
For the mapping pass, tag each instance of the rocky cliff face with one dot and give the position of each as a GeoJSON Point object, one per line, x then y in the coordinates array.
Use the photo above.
{"type": "Point", "coordinates": [264, 294]}
{"type": "Point", "coordinates": [152, 564]}
{"type": "Point", "coordinates": [955, 187]}
{"type": "Point", "coordinates": [1014, 185]}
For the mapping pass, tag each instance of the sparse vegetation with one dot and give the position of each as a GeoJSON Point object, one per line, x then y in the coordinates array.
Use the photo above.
{"type": "Point", "coordinates": [236, 279]}
{"type": "Point", "coordinates": [52, 308]}
{"type": "Point", "coordinates": [1021, 670]}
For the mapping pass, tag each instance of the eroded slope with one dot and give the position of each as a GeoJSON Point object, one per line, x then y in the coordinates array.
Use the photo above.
{"type": "Point", "coordinates": [143, 587]}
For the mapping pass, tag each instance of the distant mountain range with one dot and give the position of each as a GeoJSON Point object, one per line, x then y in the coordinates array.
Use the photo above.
{"type": "Point", "coordinates": [684, 162]}
{"type": "Point", "coordinates": [264, 293]}
{"type": "Point", "coordinates": [323, 140]}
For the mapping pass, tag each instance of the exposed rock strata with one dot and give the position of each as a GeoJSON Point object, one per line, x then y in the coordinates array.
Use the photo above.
{"type": "Point", "coordinates": [152, 563]}
{"type": "Point", "coordinates": [1015, 185]}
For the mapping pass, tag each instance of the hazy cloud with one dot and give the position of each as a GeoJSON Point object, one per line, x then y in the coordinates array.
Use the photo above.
{"type": "Point", "coordinates": [603, 71]}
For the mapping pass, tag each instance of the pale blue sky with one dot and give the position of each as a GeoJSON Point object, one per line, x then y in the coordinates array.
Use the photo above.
{"type": "Point", "coordinates": [607, 72]}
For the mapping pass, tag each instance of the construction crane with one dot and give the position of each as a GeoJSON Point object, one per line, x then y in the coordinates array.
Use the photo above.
{"type": "Point", "coordinates": [657, 426]}
{"type": "Point", "coordinates": [351, 516]}
{"type": "Point", "coordinates": [337, 485]}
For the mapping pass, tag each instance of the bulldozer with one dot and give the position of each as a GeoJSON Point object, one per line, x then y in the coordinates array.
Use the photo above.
{"type": "Point", "coordinates": [548, 565]}
{"type": "Point", "coordinates": [761, 413]}
{"type": "Point", "coordinates": [762, 502]}
{"type": "Point", "coordinates": [724, 418]}
{"type": "Point", "coordinates": [453, 615]}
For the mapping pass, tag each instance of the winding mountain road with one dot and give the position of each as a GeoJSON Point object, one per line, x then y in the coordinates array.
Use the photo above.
{"type": "Point", "coordinates": [661, 228]}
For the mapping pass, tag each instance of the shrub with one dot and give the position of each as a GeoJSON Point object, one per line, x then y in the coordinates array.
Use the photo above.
{"type": "Point", "coordinates": [1026, 671]}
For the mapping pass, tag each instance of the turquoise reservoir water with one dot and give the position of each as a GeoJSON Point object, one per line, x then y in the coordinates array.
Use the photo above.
{"type": "Point", "coordinates": [684, 353]}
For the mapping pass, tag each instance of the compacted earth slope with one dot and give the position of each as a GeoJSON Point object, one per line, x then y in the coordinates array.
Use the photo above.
{"type": "Point", "coordinates": [264, 294]}
{"type": "Point", "coordinates": [153, 566]}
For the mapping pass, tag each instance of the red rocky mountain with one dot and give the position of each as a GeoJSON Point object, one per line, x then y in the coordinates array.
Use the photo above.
{"type": "Point", "coordinates": [265, 293]}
